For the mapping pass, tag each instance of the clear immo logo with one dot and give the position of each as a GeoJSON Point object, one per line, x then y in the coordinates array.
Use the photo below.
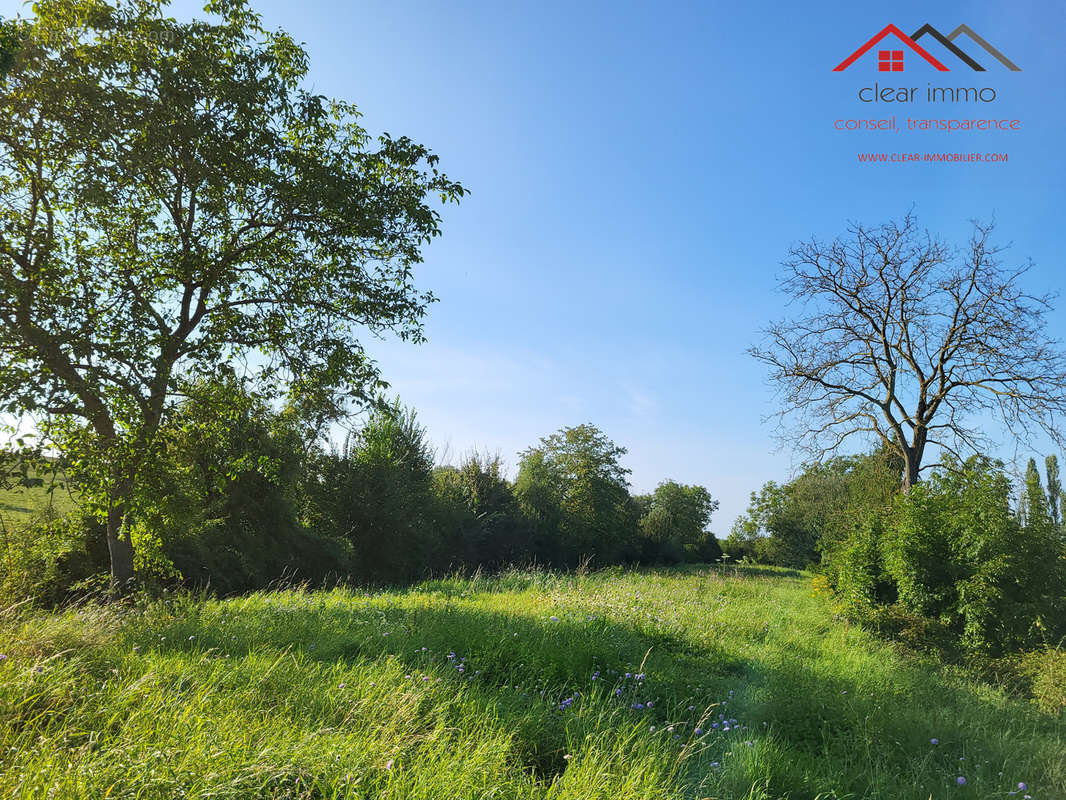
{"type": "Point", "coordinates": [892, 60]}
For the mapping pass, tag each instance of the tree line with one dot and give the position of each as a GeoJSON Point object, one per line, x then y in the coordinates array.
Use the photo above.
{"type": "Point", "coordinates": [236, 500]}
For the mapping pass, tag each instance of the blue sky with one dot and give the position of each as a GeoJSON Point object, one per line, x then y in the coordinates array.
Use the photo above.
{"type": "Point", "coordinates": [637, 173]}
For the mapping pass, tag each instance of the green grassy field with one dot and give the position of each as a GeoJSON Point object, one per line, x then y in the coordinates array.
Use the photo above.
{"type": "Point", "coordinates": [672, 684]}
{"type": "Point", "coordinates": [22, 504]}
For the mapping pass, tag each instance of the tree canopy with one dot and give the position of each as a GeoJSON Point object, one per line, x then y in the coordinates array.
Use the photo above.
{"type": "Point", "coordinates": [173, 199]}
{"type": "Point", "coordinates": [574, 481]}
{"type": "Point", "coordinates": [906, 341]}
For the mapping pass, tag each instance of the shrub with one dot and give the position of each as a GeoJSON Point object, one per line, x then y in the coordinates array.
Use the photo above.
{"type": "Point", "coordinates": [859, 570]}
{"type": "Point", "coordinates": [44, 558]}
{"type": "Point", "coordinates": [957, 553]}
{"type": "Point", "coordinates": [1047, 672]}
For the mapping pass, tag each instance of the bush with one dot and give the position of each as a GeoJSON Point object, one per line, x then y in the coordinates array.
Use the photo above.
{"type": "Point", "coordinates": [953, 551]}
{"type": "Point", "coordinates": [44, 559]}
{"type": "Point", "coordinates": [858, 569]}
{"type": "Point", "coordinates": [228, 489]}
{"type": "Point", "coordinates": [1047, 671]}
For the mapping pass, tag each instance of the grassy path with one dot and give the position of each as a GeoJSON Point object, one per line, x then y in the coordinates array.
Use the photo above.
{"type": "Point", "coordinates": [673, 684]}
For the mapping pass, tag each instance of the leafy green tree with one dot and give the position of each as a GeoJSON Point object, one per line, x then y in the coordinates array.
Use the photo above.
{"type": "Point", "coordinates": [1037, 512]}
{"type": "Point", "coordinates": [811, 518]}
{"type": "Point", "coordinates": [1054, 488]}
{"type": "Point", "coordinates": [172, 199]}
{"type": "Point", "coordinates": [676, 521]}
{"type": "Point", "coordinates": [377, 493]}
{"type": "Point", "coordinates": [574, 488]}
{"type": "Point", "coordinates": [479, 505]}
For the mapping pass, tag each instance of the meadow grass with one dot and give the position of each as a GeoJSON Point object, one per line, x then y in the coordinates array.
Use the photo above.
{"type": "Point", "coordinates": [20, 505]}
{"type": "Point", "coordinates": [695, 683]}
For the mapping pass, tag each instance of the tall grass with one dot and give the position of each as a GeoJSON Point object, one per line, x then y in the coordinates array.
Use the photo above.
{"type": "Point", "coordinates": [673, 684]}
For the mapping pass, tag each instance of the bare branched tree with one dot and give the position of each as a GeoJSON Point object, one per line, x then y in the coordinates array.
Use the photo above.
{"type": "Point", "coordinates": [907, 341]}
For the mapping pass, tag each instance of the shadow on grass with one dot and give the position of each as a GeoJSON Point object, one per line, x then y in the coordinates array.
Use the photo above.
{"type": "Point", "coordinates": [521, 669]}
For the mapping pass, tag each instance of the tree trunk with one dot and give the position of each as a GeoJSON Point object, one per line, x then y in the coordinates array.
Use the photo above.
{"type": "Point", "coordinates": [910, 475]}
{"type": "Point", "coordinates": [912, 463]}
{"type": "Point", "coordinates": [120, 549]}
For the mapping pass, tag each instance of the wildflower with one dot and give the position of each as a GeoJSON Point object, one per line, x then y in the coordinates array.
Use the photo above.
{"type": "Point", "coordinates": [341, 686]}
{"type": "Point", "coordinates": [652, 729]}
{"type": "Point", "coordinates": [554, 619]}
{"type": "Point", "coordinates": [961, 781]}
{"type": "Point", "coordinates": [567, 757]}
{"type": "Point", "coordinates": [698, 731]}
{"type": "Point", "coordinates": [3, 656]}
{"type": "Point", "coordinates": [934, 741]}
{"type": "Point", "coordinates": [749, 744]}
{"type": "Point", "coordinates": [692, 708]}
{"type": "Point", "coordinates": [1022, 786]}
{"type": "Point", "coordinates": [388, 764]}
{"type": "Point", "coordinates": [617, 692]}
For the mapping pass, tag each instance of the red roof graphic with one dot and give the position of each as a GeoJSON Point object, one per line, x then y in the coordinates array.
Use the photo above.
{"type": "Point", "coordinates": [913, 45]}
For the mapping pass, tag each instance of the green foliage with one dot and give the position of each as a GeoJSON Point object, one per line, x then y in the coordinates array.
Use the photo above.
{"type": "Point", "coordinates": [45, 560]}
{"type": "Point", "coordinates": [808, 519]}
{"type": "Point", "coordinates": [12, 34]}
{"type": "Point", "coordinates": [953, 551]}
{"type": "Point", "coordinates": [377, 494]}
{"type": "Point", "coordinates": [220, 503]}
{"type": "Point", "coordinates": [858, 567]}
{"type": "Point", "coordinates": [1054, 488]}
{"type": "Point", "coordinates": [576, 491]}
{"type": "Point", "coordinates": [675, 523]}
{"type": "Point", "coordinates": [172, 198]}
{"type": "Point", "coordinates": [479, 513]}
{"type": "Point", "coordinates": [1046, 670]}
